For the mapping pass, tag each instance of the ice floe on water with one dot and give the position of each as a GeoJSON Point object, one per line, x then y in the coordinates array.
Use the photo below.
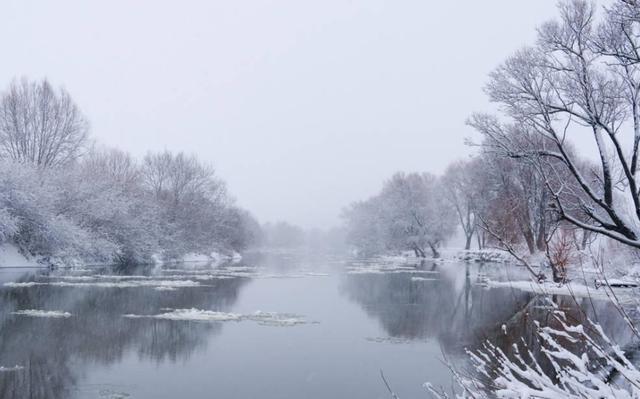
{"type": "Point", "coordinates": [21, 285]}
{"type": "Point", "coordinates": [110, 394]}
{"type": "Point", "coordinates": [389, 340]}
{"type": "Point", "coordinates": [166, 284]}
{"type": "Point", "coordinates": [276, 319]}
{"type": "Point", "coordinates": [42, 313]}
{"type": "Point", "coordinates": [9, 369]}
{"type": "Point", "coordinates": [262, 318]}
{"type": "Point", "coordinates": [423, 279]}
{"type": "Point", "coordinates": [191, 315]}
{"type": "Point", "coordinates": [161, 280]}
{"type": "Point", "coordinates": [385, 268]}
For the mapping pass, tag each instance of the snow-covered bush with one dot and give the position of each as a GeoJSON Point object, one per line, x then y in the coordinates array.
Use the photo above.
{"type": "Point", "coordinates": [600, 369]}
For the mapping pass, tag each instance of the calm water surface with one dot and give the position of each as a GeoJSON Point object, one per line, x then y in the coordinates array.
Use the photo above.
{"type": "Point", "coordinates": [337, 324]}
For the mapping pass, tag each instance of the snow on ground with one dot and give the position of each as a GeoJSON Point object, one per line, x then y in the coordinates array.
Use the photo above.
{"type": "Point", "coordinates": [212, 259]}
{"type": "Point", "coordinates": [10, 256]}
{"type": "Point", "coordinates": [577, 289]}
{"type": "Point", "coordinates": [262, 318]}
{"type": "Point", "coordinates": [42, 313]}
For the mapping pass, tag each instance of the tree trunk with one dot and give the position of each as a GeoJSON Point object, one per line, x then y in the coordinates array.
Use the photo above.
{"type": "Point", "coordinates": [541, 242]}
{"type": "Point", "coordinates": [586, 235]}
{"type": "Point", "coordinates": [467, 245]}
{"type": "Point", "coordinates": [559, 274]}
{"type": "Point", "coordinates": [528, 237]}
{"type": "Point", "coordinates": [434, 250]}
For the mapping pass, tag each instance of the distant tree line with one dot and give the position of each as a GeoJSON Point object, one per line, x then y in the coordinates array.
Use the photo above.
{"type": "Point", "coordinates": [495, 200]}
{"type": "Point", "coordinates": [62, 198]}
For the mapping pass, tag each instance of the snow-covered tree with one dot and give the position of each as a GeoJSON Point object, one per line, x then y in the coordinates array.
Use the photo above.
{"type": "Point", "coordinates": [581, 81]}
{"type": "Point", "coordinates": [462, 190]}
{"type": "Point", "coordinates": [410, 213]}
{"type": "Point", "coordinates": [40, 125]}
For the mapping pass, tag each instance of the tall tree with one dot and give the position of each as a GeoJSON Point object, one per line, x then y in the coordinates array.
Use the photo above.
{"type": "Point", "coordinates": [581, 79]}
{"type": "Point", "coordinates": [40, 125]}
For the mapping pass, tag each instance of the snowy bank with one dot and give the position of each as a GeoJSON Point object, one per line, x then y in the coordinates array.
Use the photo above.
{"type": "Point", "coordinates": [10, 256]}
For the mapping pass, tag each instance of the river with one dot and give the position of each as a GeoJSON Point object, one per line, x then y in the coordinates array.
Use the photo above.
{"type": "Point", "coordinates": [271, 326]}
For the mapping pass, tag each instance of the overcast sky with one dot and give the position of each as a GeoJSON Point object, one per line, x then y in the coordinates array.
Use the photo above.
{"type": "Point", "coordinates": [302, 106]}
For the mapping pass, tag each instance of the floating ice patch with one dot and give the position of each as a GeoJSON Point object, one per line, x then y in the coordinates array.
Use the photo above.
{"type": "Point", "coordinates": [72, 278]}
{"type": "Point", "coordinates": [112, 284]}
{"type": "Point", "coordinates": [191, 315]}
{"type": "Point", "coordinates": [165, 289]}
{"type": "Point", "coordinates": [314, 274]}
{"type": "Point", "coordinates": [386, 268]}
{"type": "Point", "coordinates": [262, 318]}
{"type": "Point", "coordinates": [42, 313]}
{"type": "Point", "coordinates": [109, 394]}
{"type": "Point", "coordinates": [423, 279]}
{"type": "Point", "coordinates": [9, 369]}
{"type": "Point", "coordinates": [388, 340]}
{"type": "Point", "coordinates": [276, 319]}
{"type": "Point", "coordinates": [22, 285]}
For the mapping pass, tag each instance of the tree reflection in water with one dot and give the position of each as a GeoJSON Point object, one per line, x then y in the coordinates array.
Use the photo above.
{"type": "Point", "coordinates": [52, 350]}
{"type": "Point", "coordinates": [460, 313]}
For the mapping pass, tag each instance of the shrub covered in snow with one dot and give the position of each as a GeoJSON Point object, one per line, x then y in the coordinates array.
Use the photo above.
{"type": "Point", "coordinates": [599, 369]}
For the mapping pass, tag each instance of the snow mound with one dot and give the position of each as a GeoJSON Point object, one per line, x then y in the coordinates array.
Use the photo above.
{"type": "Point", "coordinates": [10, 256]}
{"type": "Point", "coordinates": [577, 289]}
{"type": "Point", "coordinates": [42, 313]}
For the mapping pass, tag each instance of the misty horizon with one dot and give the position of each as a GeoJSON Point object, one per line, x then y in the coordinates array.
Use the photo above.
{"type": "Point", "coordinates": [301, 109]}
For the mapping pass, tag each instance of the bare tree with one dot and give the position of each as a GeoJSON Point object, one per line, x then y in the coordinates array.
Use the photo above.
{"type": "Point", "coordinates": [174, 177]}
{"type": "Point", "coordinates": [40, 125]}
{"type": "Point", "coordinates": [461, 190]}
{"type": "Point", "coordinates": [410, 213]}
{"type": "Point", "coordinates": [118, 166]}
{"type": "Point", "coordinates": [581, 79]}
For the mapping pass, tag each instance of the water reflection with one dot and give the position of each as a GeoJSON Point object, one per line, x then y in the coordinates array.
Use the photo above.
{"type": "Point", "coordinates": [52, 351]}
{"type": "Point", "coordinates": [461, 313]}
{"type": "Point", "coordinates": [425, 305]}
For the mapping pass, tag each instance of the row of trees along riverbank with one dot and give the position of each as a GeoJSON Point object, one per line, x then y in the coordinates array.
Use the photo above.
{"type": "Point", "coordinates": [64, 199]}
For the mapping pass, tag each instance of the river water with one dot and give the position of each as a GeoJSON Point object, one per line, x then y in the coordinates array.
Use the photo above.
{"type": "Point", "coordinates": [271, 326]}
